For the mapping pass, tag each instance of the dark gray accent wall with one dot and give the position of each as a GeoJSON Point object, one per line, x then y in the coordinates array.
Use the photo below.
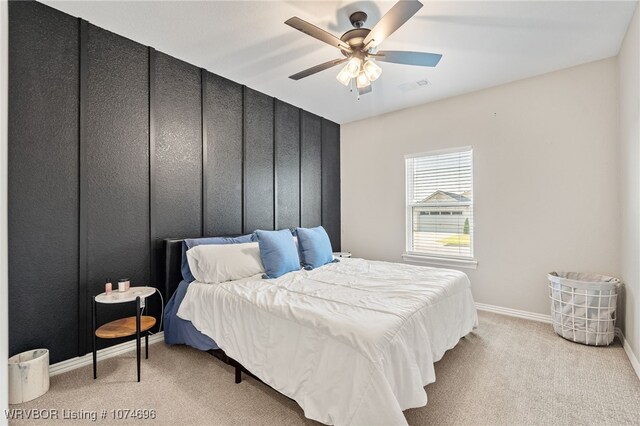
{"type": "Point", "coordinates": [43, 180]}
{"type": "Point", "coordinates": [310, 170]}
{"type": "Point", "coordinates": [258, 161]}
{"type": "Point", "coordinates": [331, 181]}
{"type": "Point", "coordinates": [114, 146]}
{"type": "Point", "coordinates": [286, 153]}
{"type": "Point", "coordinates": [178, 148]}
{"type": "Point", "coordinates": [117, 162]}
{"type": "Point", "coordinates": [223, 116]}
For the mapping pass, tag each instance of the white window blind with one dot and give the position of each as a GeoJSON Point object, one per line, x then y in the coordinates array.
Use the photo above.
{"type": "Point", "coordinates": [440, 204]}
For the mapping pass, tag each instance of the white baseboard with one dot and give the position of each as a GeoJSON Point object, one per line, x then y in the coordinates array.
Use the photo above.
{"type": "Point", "coordinates": [547, 319]}
{"type": "Point", "coordinates": [110, 352]}
{"type": "Point", "coordinates": [514, 312]}
{"type": "Point", "coordinates": [627, 348]}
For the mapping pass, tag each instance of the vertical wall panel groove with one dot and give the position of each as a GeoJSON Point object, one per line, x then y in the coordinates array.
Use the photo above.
{"type": "Point", "coordinates": [244, 159]}
{"type": "Point", "coordinates": [152, 166]}
{"type": "Point", "coordinates": [300, 189]}
{"type": "Point", "coordinates": [83, 296]}
{"type": "Point", "coordinates": [275, 168]}
{"type": "Point", "coordinates": [204, 152]}
{"type": "Point", "coordinates": [322, 175]}
{"type": "Point", "coordinates": [243, 167]}
{"type": "Point", "coordinates": [43, 180]}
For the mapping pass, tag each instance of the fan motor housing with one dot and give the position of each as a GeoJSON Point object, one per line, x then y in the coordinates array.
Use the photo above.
{"type": "Point", "coordinates": [358, 19]}
{"type": "Point", "coordinates": [355, 37]}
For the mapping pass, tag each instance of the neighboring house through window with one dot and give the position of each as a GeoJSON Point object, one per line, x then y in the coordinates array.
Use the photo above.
{"type": "Point", "coordinates": [440, 204]}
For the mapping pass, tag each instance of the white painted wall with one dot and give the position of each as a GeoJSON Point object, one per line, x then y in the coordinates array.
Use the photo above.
{"type": "Point", "coordinates": [4, 283]}
{"type": "Point", "coordinates": [545, 167]}
{"type": "Point", "coordinates": [629, 83]}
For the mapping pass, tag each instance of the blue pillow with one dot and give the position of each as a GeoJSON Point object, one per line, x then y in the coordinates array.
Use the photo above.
{"type": "Point", "coordinates": [278, 252]}
{"type": "Point", "coordinates": [193, 242]}
{"type": "Point", "coordinates": [315, 247]}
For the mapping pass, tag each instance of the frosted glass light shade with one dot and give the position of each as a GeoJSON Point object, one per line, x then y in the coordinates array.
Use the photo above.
{"type": "Point", "coordinates": [344, 76]}
{"type": "Point", "coordinates": [372, 70]}
{"type": "Point", "coordinates": [353, 67]}
{"type": "Point", "coordinates": [362, 80]}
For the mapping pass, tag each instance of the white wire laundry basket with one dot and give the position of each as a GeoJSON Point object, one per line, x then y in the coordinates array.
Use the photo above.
{"type": "Point", "coordinates": [583, 306]}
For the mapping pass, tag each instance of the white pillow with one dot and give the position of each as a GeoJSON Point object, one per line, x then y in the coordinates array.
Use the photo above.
{"type": "Point", "coordinates": [217, 263]}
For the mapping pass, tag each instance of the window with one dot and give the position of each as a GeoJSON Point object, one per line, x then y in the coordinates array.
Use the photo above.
{"type": "Point", "coordinates": [440, 204]}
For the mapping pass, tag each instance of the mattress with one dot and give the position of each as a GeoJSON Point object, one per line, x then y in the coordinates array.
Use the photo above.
{"type": "Point", "coordinates": [180, 332]}
{"type": "Point", "coordinates": [352, 342]}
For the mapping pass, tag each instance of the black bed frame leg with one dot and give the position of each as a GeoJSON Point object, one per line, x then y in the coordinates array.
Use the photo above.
{"type": "Point", "coordinates": [238, 373]}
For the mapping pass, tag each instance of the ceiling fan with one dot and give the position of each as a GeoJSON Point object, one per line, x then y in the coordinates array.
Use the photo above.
{"type": "Point", "coordinates": [359, 47]}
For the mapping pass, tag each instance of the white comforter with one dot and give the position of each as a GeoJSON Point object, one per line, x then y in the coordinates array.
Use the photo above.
{"type": "Point", "coordinates": [352, 342]}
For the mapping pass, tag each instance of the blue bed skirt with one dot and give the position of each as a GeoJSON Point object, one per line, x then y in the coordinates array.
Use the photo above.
{"type": "Point", "coordinates": [181, 332]}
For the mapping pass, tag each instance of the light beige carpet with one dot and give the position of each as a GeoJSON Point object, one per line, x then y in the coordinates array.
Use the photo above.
{"type": "Point", "coordinates": [507, 372]}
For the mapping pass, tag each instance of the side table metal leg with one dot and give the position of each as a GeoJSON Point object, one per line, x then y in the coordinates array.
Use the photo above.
{"type": "Point", "coordinates": [138, 334]}
{"type": "Point", "coordinates": [93, 337]}
{"type": "Point", "coordinates": [146, 345]}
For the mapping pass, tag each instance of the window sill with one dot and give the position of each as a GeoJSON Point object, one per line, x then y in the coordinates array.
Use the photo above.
{"type": "Point", "coordinates": [440, 261]}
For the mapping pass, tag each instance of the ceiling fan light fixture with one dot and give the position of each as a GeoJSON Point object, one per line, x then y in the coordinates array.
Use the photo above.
{"type": "Point", "coordinates": [372, 70]}
{"type": "Point", "coordinates": [353, 67]}
{"type": "Point", "coordinates": [359, 47]}
{"type": "Point", "coordinates": [362, 80]}
{"type": "Point", "coordinates": [344, 76]}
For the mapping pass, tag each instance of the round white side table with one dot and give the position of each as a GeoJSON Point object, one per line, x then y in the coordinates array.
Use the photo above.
{"type": "Point", "coordinates": [124, 327]}
{"type": "Point", "coordinates": [126, 296]}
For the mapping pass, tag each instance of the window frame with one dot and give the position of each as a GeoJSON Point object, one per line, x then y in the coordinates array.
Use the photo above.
{"type": "Point", "coordinates": [432, 258]}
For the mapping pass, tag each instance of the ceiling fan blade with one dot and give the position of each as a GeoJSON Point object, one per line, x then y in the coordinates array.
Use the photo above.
{"type": "Point", "coordinates": [317, 68]}
{"type": "Point", "coordinates": [364, 90]}
{"type": "Point", "coordinates": [422, 59]}
{"type": "Point", "coordinates": [400, 13]}
{"type": "Point", "coordinates": [317, 33]}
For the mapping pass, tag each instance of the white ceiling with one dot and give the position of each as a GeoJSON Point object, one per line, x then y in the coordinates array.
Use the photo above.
{"type": "Point", "coordinates": [484, 44]}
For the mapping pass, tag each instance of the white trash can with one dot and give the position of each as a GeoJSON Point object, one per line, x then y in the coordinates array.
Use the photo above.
{"type": "Point", "coordinates": [28, 375]}
{"type": "Point", "coordinates": [583, 306]}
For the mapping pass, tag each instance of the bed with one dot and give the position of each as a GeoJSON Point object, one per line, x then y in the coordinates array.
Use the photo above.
{"type": "Point", "coordinates": [352, 342]}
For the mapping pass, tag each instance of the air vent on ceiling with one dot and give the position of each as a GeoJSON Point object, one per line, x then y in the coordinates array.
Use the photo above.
{"type": "Point", "coordinates": [405, 87]}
